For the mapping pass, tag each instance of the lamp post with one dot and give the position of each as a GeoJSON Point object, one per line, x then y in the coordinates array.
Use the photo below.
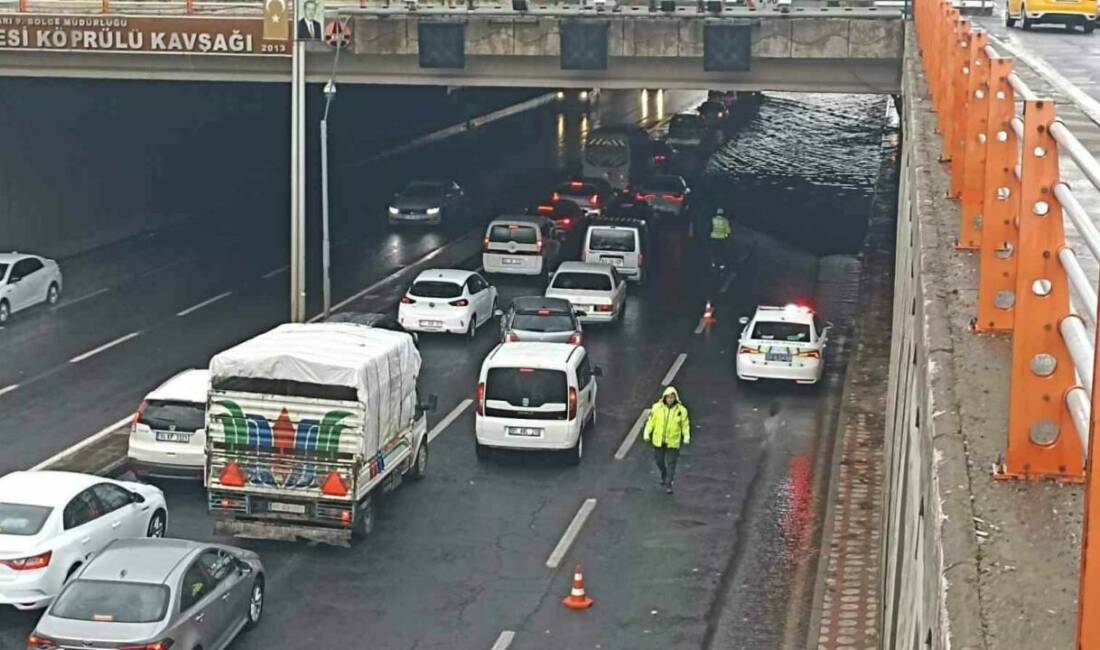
{"type": "Point", "coordinates": [330, 94]}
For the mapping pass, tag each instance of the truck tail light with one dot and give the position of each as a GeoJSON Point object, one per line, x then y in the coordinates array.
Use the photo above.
{"type": "Point", "coordinates": [232, 475]}
{"type": "Point", "coordinates": [40, 561]}
{"type": "Point", "coordinates": [572, 403]}
{"type": "Point", "coordinates": [461, 302]}
{"type": "Point", "coordinates": [481, 398]}
{"type": "Point", "coordinates": [334, 485]}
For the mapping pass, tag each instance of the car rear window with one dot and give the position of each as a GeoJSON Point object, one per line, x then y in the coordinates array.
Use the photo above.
{"type": "Point", "coordinates": [20, 519]}
{"type": "Point", "coordinates": [662, 184]}
{"type": "Point", "coordinates": [535, 322]}
{"type": "Point", "coordinates": [526, 386]}
{"type": "Point", "coordinates": [184, 416]}
{"type": "Point", "coordinates": [685, 125]}
{"type": "Point", "coordinates": [513, 233]}
{"type": "Point", "coordinates": [710, 108]}
{"type": "Point", "coordinates": [582, 281]}
{"type": "Point", "coordinates": [780, 331]}
{"type": "Point", "coordinates": [109, 601]}
{"type": "Point", "coordinates": [612, 240]}
{"type": "Point", "coordinates": [577, 188]}
{"type": "Point", "coordinates": [436, 289]}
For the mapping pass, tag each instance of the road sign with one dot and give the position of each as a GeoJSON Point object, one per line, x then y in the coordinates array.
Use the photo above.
{"type": "Point", "coordinates": [338, 33]}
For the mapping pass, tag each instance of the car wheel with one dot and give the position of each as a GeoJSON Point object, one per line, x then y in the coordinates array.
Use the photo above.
{"type": "Point", "coordinates": [1026, 23]}
{"type": "Point", "coordinates": [1009, 20]}
{"type": "Point", "coordinates": [420, 463]}
{"type": "Point", "coordinates": [471, 331]}
{"type": "Point", "coordinates": [364, 523]}
{"type": "Point", "coordinates": [158, 525]}
{"type": "Point", "coordinates": [483, 452]}
{"type": "Point", "coordinates": [577, 452]}
{"type": "Point", "coordinates": [53, 294]}
{"type": "Point", "coordinates": [255, 603]}
{"type": "Point", "coordinates": [5, 311]}
{"type": "Point", "coordinates": [1089, 27]}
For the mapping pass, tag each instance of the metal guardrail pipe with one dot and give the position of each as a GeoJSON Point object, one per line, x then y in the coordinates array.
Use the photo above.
{"type": "Point", "coordinates": [1080, 347]}
{"type": "Point", "coordinates": [1077, 401]}
{"type": "Point", "coordinates": [1021, 88]}
{"type": "Point", "coordinates": [1018, 126]}
{"type": "Point", "coordinates": [1080, 219]}
{"type": "Point", "coordinates": [1079, 282]}
{"type": "Point", "coordinates": [1085, 160]}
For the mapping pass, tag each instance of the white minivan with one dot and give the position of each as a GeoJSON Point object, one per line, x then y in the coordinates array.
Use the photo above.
{"type": "Point", "coordinates": [617, 246]}
{"type": "Point", "coordinates": [168, 433]}
{"type": "Point", "coordinates": [535, 396]}
{"type": "Point", "coordinates": [522, 245]}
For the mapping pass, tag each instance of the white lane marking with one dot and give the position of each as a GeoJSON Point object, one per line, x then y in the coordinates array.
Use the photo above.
{"type": "Point", "coordinates": [570, 534]}
{"type": "Point", "coordinates": [1083, 100]}
{"type": "Point", "coordinates": [273, 273]}
{"type": "Point", "coordinates": [702, 326]}
{"type": "Point", "coordinates": [102, 433]}
{"type": "Point", "coordinates": [451, 417]}
{"type": "Point", "coordinates": [204, 303]}
{"type": "Point", "coordinates": [504, 640]}
{"type": "Point", "coordinates": [671, 374]}
{"type": "Point", "coordinates": [628, 441]}
{"type": "Point", "coordinates": [8, 389]}
{"type": "Point", "coordinates": [106, 346]}
{"type": "Point", "coordinates": [86, 296]}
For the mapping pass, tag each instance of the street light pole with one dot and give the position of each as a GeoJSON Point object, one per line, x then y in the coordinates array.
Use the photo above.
{"type": "Point", "coordinates": [330, 93]}
{"type": "Point", "coordinates": [297, 183]}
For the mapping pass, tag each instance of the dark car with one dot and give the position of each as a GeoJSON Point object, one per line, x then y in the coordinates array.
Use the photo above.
{"type": "Point", "coordinates": [566, 214]}
{"type": "Point", "coordinates": [370, 319]}
{"type": "Point", "coordinates": [591, 194]}
{"type": "Point", "coordinates": [662, 156]}
{"type": "Point", "coordinates": [535, 318]}
{"type": "Point", "coordinates": [427, 202]}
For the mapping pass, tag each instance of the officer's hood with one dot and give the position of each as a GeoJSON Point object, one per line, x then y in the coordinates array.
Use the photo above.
{"type": "Point", "coordinates": [670, 391]}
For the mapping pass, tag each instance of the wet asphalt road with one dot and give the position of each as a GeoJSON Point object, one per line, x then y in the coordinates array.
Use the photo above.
{"type": "Point", "coordinates": [460, 557]}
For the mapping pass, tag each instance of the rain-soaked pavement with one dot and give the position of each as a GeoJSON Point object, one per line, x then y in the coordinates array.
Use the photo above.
{"type": "Point", "coordinates": [728, 561]}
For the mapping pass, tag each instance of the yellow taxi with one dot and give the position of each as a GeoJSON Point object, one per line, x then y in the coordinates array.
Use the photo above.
{"type": "Point", "coordinates": [1071, 13]}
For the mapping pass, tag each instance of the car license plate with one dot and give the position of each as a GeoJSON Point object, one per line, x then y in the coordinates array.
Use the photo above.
{"type": "Point", "coordinates": [512, 261]}
{"type": "Point", "coordinates": [173, 436]}
{"type": "Point", "coordinates": [782, 355]}
{"type": "Point", "coordinates": [431, 323]}
{"type": "Point", "coordinates": [525, 432]}
{"type": "Point", "coordinates": [613, 261]}
{"type": "Point", "coordinates": [293, 508]}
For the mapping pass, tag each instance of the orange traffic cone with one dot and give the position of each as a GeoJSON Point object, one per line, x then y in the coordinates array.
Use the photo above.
{"type": "Point", "coordinates": [576, 598]}
{"type": "Point", "coordinates": [708, 315]}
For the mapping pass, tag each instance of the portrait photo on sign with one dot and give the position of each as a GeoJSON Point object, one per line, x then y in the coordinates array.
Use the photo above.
{"type": "Point", "coordinates": [311, 20]}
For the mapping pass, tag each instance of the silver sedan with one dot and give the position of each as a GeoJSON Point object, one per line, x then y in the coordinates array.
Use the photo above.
{"type": "Point", "coordinates": [156, 594]}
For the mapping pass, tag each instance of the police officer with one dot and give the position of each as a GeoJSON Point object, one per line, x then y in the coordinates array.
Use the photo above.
{"type": "Point", "coordinates": [667, 427]}
{"type": "Point", "coordinates": [720, 232]}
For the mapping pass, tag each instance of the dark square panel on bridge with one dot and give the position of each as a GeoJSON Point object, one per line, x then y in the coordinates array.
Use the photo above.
{"type": "Point", "coordinates": [727, 47]}
{"type": "Point", "coordinates": [583, 45]}
{"type": "Point", "coordinates": [442, 44]}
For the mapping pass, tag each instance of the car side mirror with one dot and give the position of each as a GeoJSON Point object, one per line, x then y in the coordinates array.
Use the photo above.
{"type": "Point", "coordinates": [597, 371]}
{"type": "Point", "coordinates": [429, 404]}
{"type": "Point", "coordinates": [687, 190]}
{"type": "Point", "coordinates": [244, 567]}
{"type": "Point", "coordinates": [744, 320]}
{"type": "Point", "coordinates": [498, 313]}
{"type": "Point", "coordinates": [136, 498]}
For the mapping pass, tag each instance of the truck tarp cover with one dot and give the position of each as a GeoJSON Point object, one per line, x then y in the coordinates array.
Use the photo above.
{"type": "Point", "coordinates": [382, 366]}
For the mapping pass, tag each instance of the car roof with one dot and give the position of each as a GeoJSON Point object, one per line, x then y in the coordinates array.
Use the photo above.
{"type": "Point", "coordinates": [44, 488]}
{"type": "Point", "coordinates": [141, 560]}
{"type": "Point", "coordinates": [584, 267]}
{"type": "Point", "coordinates": [454, 276]}
{"type": "Point", "coordinates": [8, 258]}
{"type": "Point", "coordinates": [524, 354]}
{"type": "Point", "coordinates": [784, 314]}
{"type": "Point", "coordinates": [427, 182]}
{"type": "Point", "coordinates": [534, 303]}
{"type": "Point", "coordinates": [532, 219]}
{"type": "Point", "coordinates": [188, 386]}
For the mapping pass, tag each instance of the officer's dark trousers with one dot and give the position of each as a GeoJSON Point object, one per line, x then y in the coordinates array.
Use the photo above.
{"type": "Point", "coordinates": [666, 458]}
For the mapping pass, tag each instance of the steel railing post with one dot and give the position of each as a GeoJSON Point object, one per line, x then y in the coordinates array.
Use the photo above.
{"type": "Point", "coordinates": [971, 134]}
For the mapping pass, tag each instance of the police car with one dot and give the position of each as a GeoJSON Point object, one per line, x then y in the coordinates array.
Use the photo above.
{"type": "Point", "coordinates": [782, 343]}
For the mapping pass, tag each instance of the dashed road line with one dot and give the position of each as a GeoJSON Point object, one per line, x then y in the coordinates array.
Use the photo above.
{"type": "Point", "coordinates": [701, 327]}
{"type": "Point", "coordinates": [558, 554]}
{"type": "Point", "coordinates": [273, 273]}
{"type": "Point", "coordinates": [87, 296]}
{"type": "Point", "coordinates": [631, 436]}
{"type": "Point", "coordinates": [204, 303]}
{"type": "Point", "coordinates": [451, 417]}
{"type": "Point", "coordinates": [106, 346]}
{"type": "Point", "coordinates": [671, 374]}
{"type": "Point", "coordinates": [504, 640]}
{"type": "Point", "coordinates": [8, 389]}
{"type": "Point", "coordinates": [102, 433]}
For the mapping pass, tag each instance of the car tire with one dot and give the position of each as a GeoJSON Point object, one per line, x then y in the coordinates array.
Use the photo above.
{"type": "Point", "coordinates": [1009, 20]}
{"type": "Point", "coordinates": [1025, 23]}
{"type": "Point", "coordinates": [5, 311]}
{"type": "Point", "coordinates": [575, 454]}
{"type": "Point", "coordinates": [1089, 27]}
{"type": "Point", "coordinates": [158, 524]}
{"type": "Point", "coordinates": [53, 294]}
{"type": "Point", "coordinates": [471, 331]}
{"type": "Point", "coordinates": [483, 452]}
{"type": "Point", "coordinates": [255, 603]}
{"type": "Point", "coordinates": [420, 463]}
{"type": "Point", "coordinates": [364, 518]}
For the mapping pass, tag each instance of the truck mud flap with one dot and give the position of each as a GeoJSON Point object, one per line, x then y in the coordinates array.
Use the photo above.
{"type": "Point", "coordinates": [282, 532]}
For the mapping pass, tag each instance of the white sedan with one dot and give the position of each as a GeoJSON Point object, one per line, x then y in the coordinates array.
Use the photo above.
{"type": "Point", "coordinates": [447, 300]}
{"type": "Point", "coordinates": [53, 522]}
{"type": "Point", "coordinates": [596, 291]}
{"type": "Point", "coordinates": [782, 343]}
{"type": "Point", "coordinates": [25, 281]}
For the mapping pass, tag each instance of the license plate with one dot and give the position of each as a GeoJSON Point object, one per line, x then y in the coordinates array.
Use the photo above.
{"type": "Point", "coordinates": [431, 323]}
{"type": "Point", "coordinates": [525, 432]}
{"type": "Point", "coordinates": [293, 508]}
{"type": "Point", "coordinates": [613, 261]}
{"type": "Point", "coordinates": [779, 356]}
{"type": "Point", "coordinates": [173, 436]}
{"type": "Point", "coordinates": [512, 261]}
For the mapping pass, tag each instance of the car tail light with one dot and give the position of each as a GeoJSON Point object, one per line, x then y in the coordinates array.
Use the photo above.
{"type": "Point", "coordinates": [594, 199]}
{"type": "Point", "coordinates": [572, 403]}
{"type": "Point", "coordinates": [545, 209]}
{"type": "Point", "coordinates": [163, 644]}
{"type": "Point", "coordinates": [540, 246]}
{"type": "Point", "coordinates": [659, 158]}
{"type": "Point", "coordinates": [481, 399]}
{"type": "Point", "coordinates": [543, 312]}
{"type": "Point", "coordinates": [41, 642]}
{"type": "Point", "coordinates": [584, 253]}
{"type": "Point", "coordinates": [511, 337]}
{"type": "Point", "coordinates": [575, 184]}
{"type": "Point", "coordinates": [641, 258]}
{"type": "Point", "coordinates": [555, 197]}
{"type": "Point", "coordinates": [575, 339]}
{"type": "Point", "coordinates": [405, 300]}
{"type": "Point", "coordinates": [461, 302]}
{"type": "Point", "coordinates": [485, 244]}
{"type": "Point", "coordinates": [565, 222]}
{"type": "Point", "coordinates": [812, 354]}
{"type": "Point", "coordinates": [747, 350]}
{"type": "Point", "coordinates": [232, 475]}
{"type": "Point", "coordinates": [604, 308]}
{"type": "Point", "coordinates": [674, 197]}
{"type": "Point", "coordinates": [40, 561]}
{"type": "Point", "coordinates": [639, 197]}
{"type": "Point", "coordinates": [139, 411]}
{"type": "Point", "coordinates": [334, 485]}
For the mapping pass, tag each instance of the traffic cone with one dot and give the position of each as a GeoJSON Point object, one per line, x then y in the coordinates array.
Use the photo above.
{"type": "Point", "coordinates": [576, 598]}
{"type": "Point", "coordinates": [708, 315]}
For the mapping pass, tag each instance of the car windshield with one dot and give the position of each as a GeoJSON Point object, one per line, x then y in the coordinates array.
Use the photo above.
{"type": "Point", "coordinates": [710, 108]}
{"type": "Point", "coordinates": [110, 601]}
{"type": "Point", "coordinates": [684, 125]}
{"type": "Point", "coordinates": [422, 191]}
{"type": "Point", "coordinates": [526, 386]}
{"type": "Point", "coordinates": [780, 331]}
{"type": "Point", "coordinates": [433, 289]}
{"type": "Point", "coordinates": [582, 281]}
{"type": "Point", "coordinates": [19, 519]}
{"type": "Point", "coordinates": [535, 322]}
{"type": "Point", "coordinates": [513, 233]}
{"type": "Point", "coordinates": [670, 184]}
{"type": "Point", "coordinates": [3, 270]}
{"type": "Point", "coordinates": [184, 416]}
{"type": "Point", "coordinates": [603, 239]}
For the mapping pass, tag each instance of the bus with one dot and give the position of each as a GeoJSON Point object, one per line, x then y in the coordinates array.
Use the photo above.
{"type": "Point", "coordinates": [619, 154]}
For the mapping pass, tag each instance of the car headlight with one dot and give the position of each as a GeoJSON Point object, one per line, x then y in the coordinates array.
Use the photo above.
{"type": "Point", "coordinates": [393, 210]}
{"type": "Point", "coordinates": [433, 210]}
{"type": "Point", "coordinates": [584, 95]}
{"type": "Point", "coordinates": [561, 95]}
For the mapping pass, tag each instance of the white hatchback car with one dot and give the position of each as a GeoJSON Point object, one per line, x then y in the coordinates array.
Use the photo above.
{"type": "Point", "coordinates": [25, 281]}
{"type": "Point", "coordinates": [596, 291]}
{"type": "Point", "coordinates": [168, 434]}
{"type": "Point", "coordinates": [782, 343]}
{"type": "Point", "coordinates": [53, 522]}
{"type": "Point", "coordinates": [447, 300]}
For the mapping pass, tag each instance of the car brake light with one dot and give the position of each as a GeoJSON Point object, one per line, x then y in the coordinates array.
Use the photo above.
{"type": "Point", "coordinates": [747, 350]}
{"type": "Point", "coordinates": [481, 399]}
{"type": "Point", "coordinates": [594, 199]}
{"type": "Point", "coordinates": [334, 485]}
{"type": "Point", "coordinates": [40, 561]}
{"type": "Point", "coordinates": [461, 302]}
{"type": "Point", "coordinates": [639, 196]}
{"type": "Point", "coordinates": [575, 184]}
{"type": "Point", "coordinates": [813, 354]}
{"type": "Point", "coordinates": [232, 475]}
{"type": "Point", "coordinates": [139, 411]}
{"type": "Point", "coordinates": [41, 642]}
{"type": "Point", "coordinates": [511, 337]}
{"type": "Point", "coordinates": [641, 258]}
{"type": "Point", "coordinates": [566, 222]}
{"type": "Point", "coordinates": [405, 300]}
{"type": "Point", "coordinates": [555, 197]}
{"type": "Point", "coordinates": [163, 644]}
{"type": "Point", "coordinates": [546, 209]}
{"type": "Point", "coordinates": [540, 246]}
{"type": "Point", "coordinates": [543, 312]}
{"type": "Point", "coordinates": [674, 197]}
{"type": "Point", "coordinates": [604, 307]}
{"type": "Point", "coordinates": [485, 244]}
{"type": "Point", "coordinates": [575, 339]}
{"type": "Point", "coordinates": [572, 403]}
{"type": "Point", "coordinates": [659, 158]}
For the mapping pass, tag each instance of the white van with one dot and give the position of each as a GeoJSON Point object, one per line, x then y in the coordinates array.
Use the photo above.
{"type": "Point", "coordinates": [535, 396]}
{"type": "Point", "coordinates": [520, 245]}
{"type": "Point", "coordinates": [167, 436]}
{"type": "Point", "coordinates": [618, 246]}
